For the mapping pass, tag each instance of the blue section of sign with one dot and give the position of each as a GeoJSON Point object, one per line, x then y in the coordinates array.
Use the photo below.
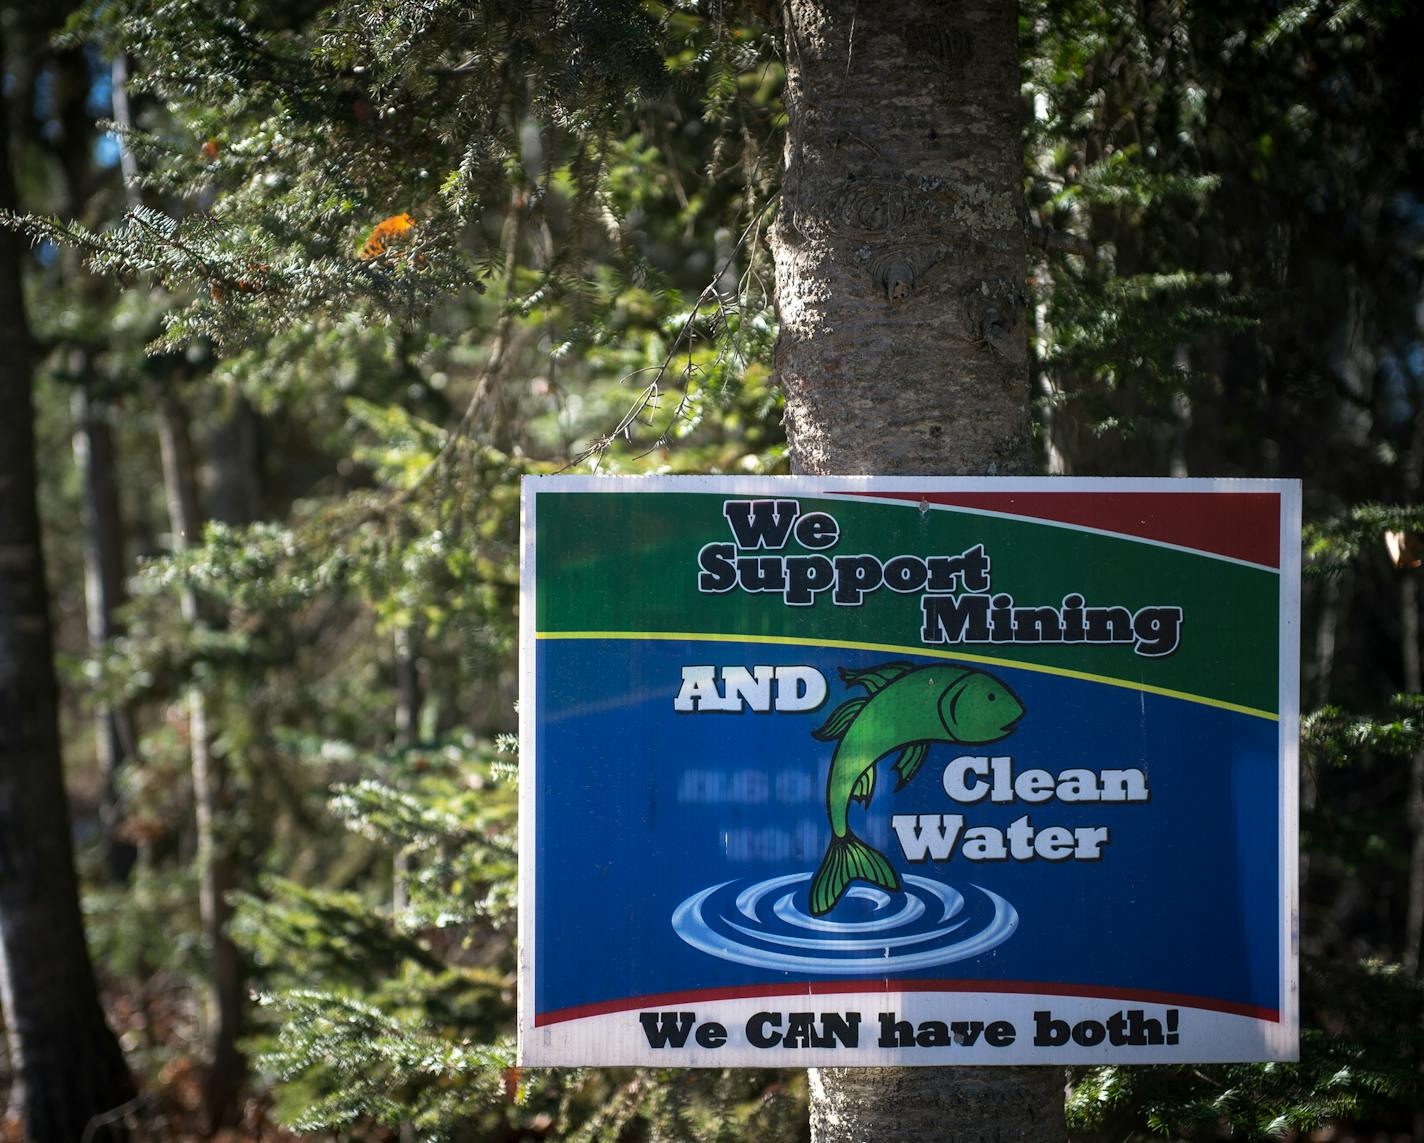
{"type": "Point", "coordinates": [645, 813]}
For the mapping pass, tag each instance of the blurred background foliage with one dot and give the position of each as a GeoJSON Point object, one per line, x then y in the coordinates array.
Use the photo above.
{"type": "Point", "coordinates": [368, 264]}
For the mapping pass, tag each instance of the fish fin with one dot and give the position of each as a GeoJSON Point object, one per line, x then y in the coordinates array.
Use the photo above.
{"type": "Point", "coordinates": [864, 786]}
{"type": "Point", "coordinates": [909, 762]}
{"type": "Point", "coordinates": [840, 720]}
{"type": "Point", "coordinates": [848, 859]}
{"type": "Point", "coordinates": [873, 679]}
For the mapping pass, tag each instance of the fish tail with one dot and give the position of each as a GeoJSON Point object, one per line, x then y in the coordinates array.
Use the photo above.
{"type": "Point", "coordinates": [848, 859]}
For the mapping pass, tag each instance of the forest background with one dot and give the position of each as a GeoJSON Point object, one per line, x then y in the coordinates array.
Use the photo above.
{"type": "Point", "coordinates": [310, 287]}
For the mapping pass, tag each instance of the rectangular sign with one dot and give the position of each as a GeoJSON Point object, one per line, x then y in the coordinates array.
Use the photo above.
{"type": "Point", "coordinates": [863, 771]}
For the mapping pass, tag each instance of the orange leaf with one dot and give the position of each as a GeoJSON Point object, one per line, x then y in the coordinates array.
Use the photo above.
{"type": "Point", "coordinates": [388, 229]}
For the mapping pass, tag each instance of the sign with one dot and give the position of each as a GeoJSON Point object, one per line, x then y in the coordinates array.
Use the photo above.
{"type": "Point", "coordinates": [862, 771]}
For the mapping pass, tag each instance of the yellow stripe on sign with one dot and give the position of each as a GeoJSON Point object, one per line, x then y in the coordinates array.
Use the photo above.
{"type": "Point", "coordinates": [956, 656]}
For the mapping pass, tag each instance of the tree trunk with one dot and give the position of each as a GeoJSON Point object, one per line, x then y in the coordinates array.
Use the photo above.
{"type": "Point", "coordinates": [234, 451]}
{"type": "Point", "coordinates": [901, 267]}
{"type": "Point", "coordinates": [968, 1105]}
{"type": "Point", "coordinates": [225, 1064]}
{"type": "Point", "coordinates": [1412, 469]}
{"type": "Point", "coordinates": [69, 1070]}
{"type": "Point", "coordinates": [900, 253]}
{"type": "Point", "coordinates": [103, 595]}
{"type": "Point", "coordinates": [407, 717]}
{"type": "Point", "coordinates": [407, 672]}
{"type": "Point", "coordinates": [94, 456]}
{"type": "Point", "coordinates": [1409, 649]}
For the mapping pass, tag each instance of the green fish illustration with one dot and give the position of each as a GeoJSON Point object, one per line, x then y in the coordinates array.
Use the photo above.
{"type": "Point", "coordinates": [908, 708]}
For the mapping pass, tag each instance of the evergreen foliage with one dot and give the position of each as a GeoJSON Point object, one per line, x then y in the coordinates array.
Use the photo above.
{"type": "Point", "coordinates": [1340, 1076]}
{"type": "Point", "coordinates": [429, 248]}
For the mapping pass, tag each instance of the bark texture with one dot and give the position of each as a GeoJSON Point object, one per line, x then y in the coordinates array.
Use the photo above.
{"type": "Point", "coordinates": [900, 251]}
{"type": "Point", "coordinates": [901, 266]}
{"type": "Point", "coordinates": [68, 1067]}
{"type": "Point", "coordinates": [967, 1105]}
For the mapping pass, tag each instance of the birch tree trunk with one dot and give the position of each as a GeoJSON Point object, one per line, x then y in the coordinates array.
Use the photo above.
{"type": "Point", "coordinates": [224, 1002]}
{"type": "Point", "coordinates": [901, 269]}
{"type": "Point", "coordinates": [69, 1072]}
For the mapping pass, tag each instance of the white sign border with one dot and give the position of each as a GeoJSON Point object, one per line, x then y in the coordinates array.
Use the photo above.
{"type": "Point", "coordinates": [1264, 1040]}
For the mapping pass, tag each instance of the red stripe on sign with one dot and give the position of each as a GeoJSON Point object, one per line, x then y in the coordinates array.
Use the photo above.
{"type": "Point", "coordinates": [1242, 525]}
{"type": "Point", "coordinates": [833, 987]}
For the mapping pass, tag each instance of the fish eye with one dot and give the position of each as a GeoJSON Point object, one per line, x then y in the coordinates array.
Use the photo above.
{"type": "Point", "coordinates": [992, 696]}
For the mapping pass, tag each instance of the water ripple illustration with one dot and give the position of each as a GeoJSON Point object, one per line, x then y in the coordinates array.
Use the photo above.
{"type": "Point", "coordinates": [767, 925]}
